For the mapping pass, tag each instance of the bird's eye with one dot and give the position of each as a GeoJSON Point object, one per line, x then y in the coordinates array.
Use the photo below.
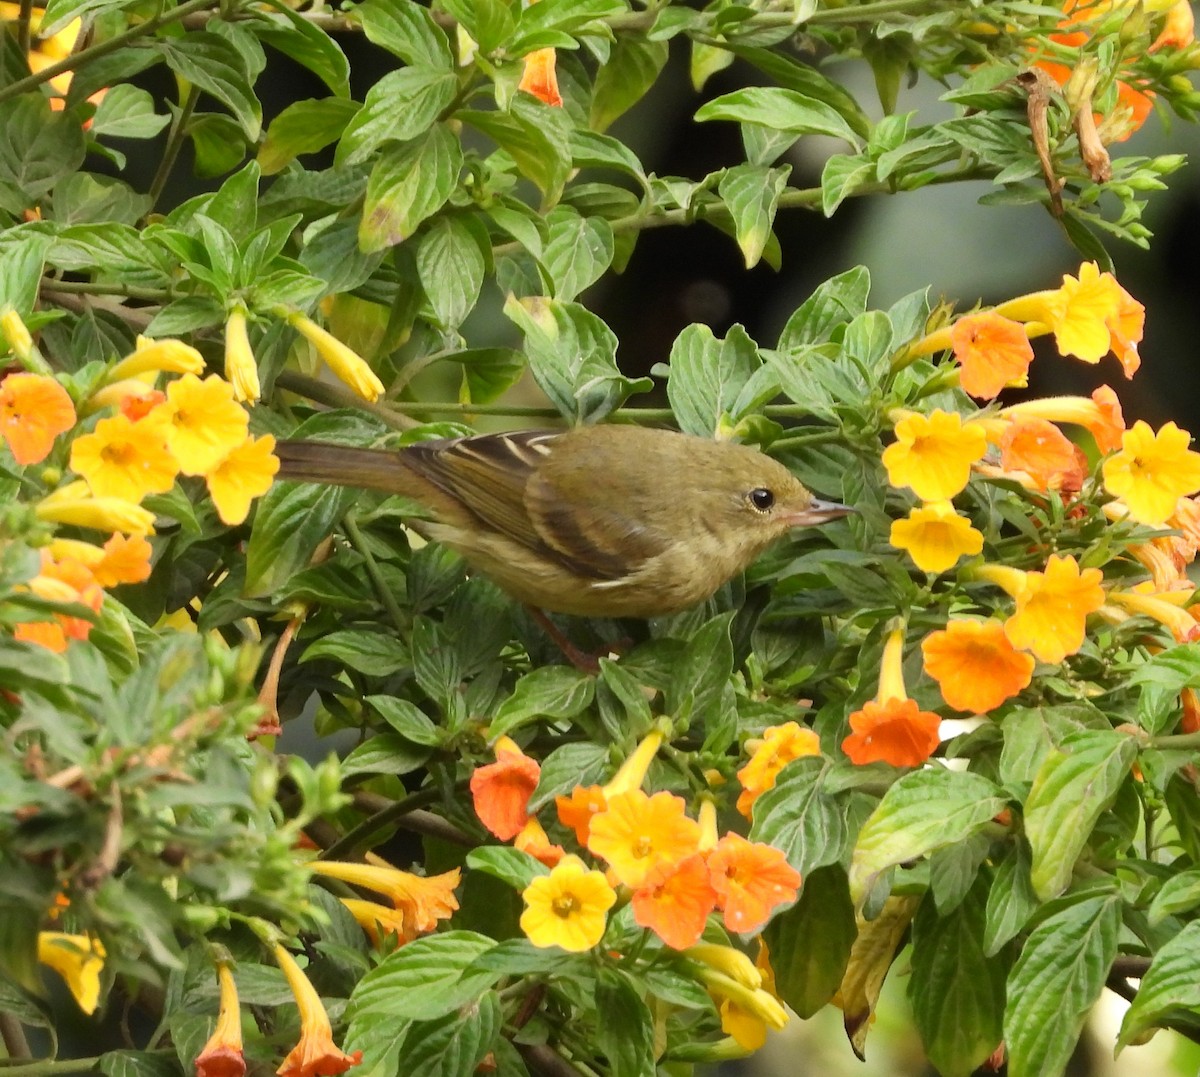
{"type": "Point", "coordinates": [761, 498]}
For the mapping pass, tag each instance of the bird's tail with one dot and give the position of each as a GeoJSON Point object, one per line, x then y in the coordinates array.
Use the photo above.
{"type": "Point", "coordinates": [346, 465]}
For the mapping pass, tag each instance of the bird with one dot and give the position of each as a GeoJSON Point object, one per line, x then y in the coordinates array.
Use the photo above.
{"type": "Point", "coordinates": [607, 520]}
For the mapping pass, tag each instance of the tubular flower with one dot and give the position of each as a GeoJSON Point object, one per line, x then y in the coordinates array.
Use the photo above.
{"type": "Point", "coordinates": [124, 560]}
{"type": "Point", "coordinates": [992, 352]}
{"type": "Point", "coordinates": [1044, 453]}
{"type": "Point", "coordinates": [424, 900]}
{"type": "Point", "coordinates": [222, 1055]}
{"type": "Point", "coordinates": [79, 960]}
{"type": "Point", "coordinates": [501, 790]}
{"type": "Point", "coordinates": [346, 364]}
{"type": "Point", "coordinates": [73, 504]}
{"type": "Point", "coordinates": [1051, 607]}
{"type": "Point", "coordinates": [205, 423]}
{"type": "Point", "coordinates": [567, 908]}
{"type": "Point", "coordinates": [15, 333]}
{"type": "Point", "coordinates": [540, 78]}
{"type": "Point", "coordinates": [1182, 624]}
{"type": "Point", "coordinates": [933, 455]}
{"type": "Point", "coordinates": [1179, 28]}
{"type": "Point", "coordinates": [242, 475]}
{"type": "Point", "coordinates": [533, 840]}
{"type": "Point", "coordinates": [728, 961]}
{"type": "Point", "coordinates": [751, 880]}
{"type": "Point", "coordinates": [633, 770]}
{"type": "Point", "coordinates": [935, 536]}
{"type": "Point", "coordinates": [675, 900]}
{"type": "Point", "coordinates": [780, 744]}
{"type": "Point", "coordinates": [1152, 471]}
{"type": "Point", "coordinates": [975, 665]}
{"type": "Point", "coordinates": [241, 370]}
{"type": "Point", "coordinates": [635, 833]}
{"type": "Point", "coordinates": [746, 1013]}
{"type": "Point", "coordinates": [125, 460]}
{"type": "Point", "coordinates": [379, 921]}
{"type": "Point", "coordinates": [1100, 416]}
{"type": "Point", "coordinates": [892, 728]}
{"type": "Point", "coordinates": [578, 810]}
{"type": "Point", "coordinates": [69, 582]}
{"type": "Point", "coordinates": [34, 410]}
{"type": "Point", "coordinates": [166, 355]}
{"type": "Point", "coordinates": [315, 1055]}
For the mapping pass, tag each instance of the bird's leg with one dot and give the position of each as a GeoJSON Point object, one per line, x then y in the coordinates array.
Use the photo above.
{"type": "Point", "coordinates": [581, 660]}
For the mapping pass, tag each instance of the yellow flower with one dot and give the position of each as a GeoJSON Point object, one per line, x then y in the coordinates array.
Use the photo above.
{"type": "Point", "coordinates": [1181, 623]}
{"type": "Point", "coordinates": [222, 1055]}
{"type": "Point", "coordinates": [315, 1055]}
{"type": "Point", "coordinates": [934, 454]}
{"type": "Point", "coordinates": [16, 335]}
{"type": "Point", "coordinates": [206, 423]}
{"type": "Point", "coordinates": [241, 370]}
{"type": "Point", "coordinates": [935, 536]}
{"type": "Point", "coordinates": [633, 770]}
{"type": "Point", "coordinates": [780, 744]}
{"type": "Point", "coordinates": [171, 356]}
{"type": "Point", "coordinates": [635, 833]}
{"type": "Point", "coordinates": [347, 365]}
{"type": "Point", "coordinates": [73, 505]}
{"type": "Point", "coordinates": [124, 459]}
{"type": "Point", "coordinates": [1052, 609]}
{"type": "Point", "coordinates": [243, 475]}
{"type": "Point", "coordinates": [423, 900]}
{"type": "Point", "coordinates": [1152, 471]}
{"type": "Point", "coordinates": [79, 960]}
{"type": "Point", "coordinates": [567, 908]}
{"type": "Point", "coordinates": [746, 1013]}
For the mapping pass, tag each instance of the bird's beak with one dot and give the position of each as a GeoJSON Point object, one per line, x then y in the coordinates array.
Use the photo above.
{"type": "Point", "coordinates": [819, 512]}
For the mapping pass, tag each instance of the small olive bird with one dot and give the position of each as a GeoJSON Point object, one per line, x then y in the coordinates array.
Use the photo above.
{"type": "Point", "coordinates": [598, 521]}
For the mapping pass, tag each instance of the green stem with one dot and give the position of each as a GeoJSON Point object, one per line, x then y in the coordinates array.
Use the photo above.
{"type": "Point", "coordinates": [350, 522]}
{"type": "Point", "coordinates": [12, 1034]}
{"type": "Point", "coordinates": [174, 144]}
{"type": "Point", "coordinates": [24, 20]}
{"type": "Point", "coordinates": [1176, 742]}
{"type": "Point", "coordinates": [47, 1066]}
{"type": "Point", "coordinates": [101, 48]}
{"type": "Point", "coordinates": [359, 835]}
{"type": "Point", "coordinates": [336, 396]}
{"type": "Point", "coordinates": [129, 291]}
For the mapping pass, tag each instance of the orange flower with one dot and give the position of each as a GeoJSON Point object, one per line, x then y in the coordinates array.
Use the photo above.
{"type": "Point", "coordinates": [780, 744]}
{"type": "Point", "coordinates": [993, 351]}
{"type": "Point", "coordinates": [1101, 415]}
{"type": "Point", "coordinates": [67, 581]}
{"type": "Point", "coordinates": [125, 560]}
{"type": "Point", "coordinates": [892, 729]}
{"type": "Point", "coordinates": [502, 789]}
{"type": "Point", "coordinates": [423, 899]}
{"type": "Point", "coordinates": [636, 832]}
{"type": "Point", "coordinates": [675, 900]}
{"type": "Point", "coordinates": [315, 1055]}
{"type": "Point", "coordinates": [1179, 28]}
{"type": "Point", "coordinates": [1044, 453]}
{"type": "Point", "coordinates": [1191, 711]}
{"type": "Point", "coordinates": [136, 406]}
{"type": "Point", "coordinates": [895, 731]}
{"type": "Point", "coordinates": [578, 810]}
{"type": "Point", "coordinates": [1182, 624]}
{"type": "Point", "coordinates": [751, 880]}
{"type": "Point", "coordinates": [1052, 608]}
{"type": "Point", "coordinates": [34, 410]}
{"type": "Point", "coordinates": [533, 840]}
{"type": "Point", "coordinates": [975, 665]}
{"type": "Point", "coordinates": [540, 77]}
{"type": "Point", "coordinates": [222, 1055]}
{"type": "Point", "coordinates": [379, 921]}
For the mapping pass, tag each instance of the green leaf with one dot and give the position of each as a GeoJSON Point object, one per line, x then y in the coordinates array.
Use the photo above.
{"type": "Point", "coordinates": [577, 252]}
{"type": "Point", "coordinates": [408, 183]}
{"type": "Point", "coordinates": [388, 753]}
{"type": "Point", "coordinates": [551, 693]}
{"type": "Point", "coordinates": [801, 819]}
{"type": "Point", "coordinates": [310, 45]}
{"type": "Point", "coordinates": [407, 30]}
{"type": "Point", "coordinates": [632, 67]}
{"type": "Point", "coordinates": [216, 65]}
{"type": "Point", "coordinates": [1074, 785]}
{"type": "Point", "coordinates": [1011, 900]}
{"type": "Point", "coordinates": [708, 376]}
{"type": "Point", "coordinates": [127, 112]}
{"type": "Point", "coordinates": [489, 22]}
{"type": "Point", "coordinates": [1161, 678]}
{"type": "Point", "coordinates": [832, 305]}
{"type": "Point", "coordinates": [1179, 893]}
{"type": "Point", "coordinates": [38, 147]}
{"type": "Point", "coordinates": [454, 1045]}
{"type": "Point", "coordinates": [923, 811]}
{"type": "Point", "coordinates": [60, 12]}
{"type": "Point", "coordinates": [511, 866]}
{"type": "Point", "coordinates": [304, 127]}
{"type": "Point", "coordinates": [137, 1064]}
{"type": "Point", "coordinates": [699, 676]}
{"type": "Point", "coordinates": [778, 109]}
{"type": "Point", "coordinates": [424, 979]}
{"type": "Point", "coordinates": [377, 654]}
{"type": "Point", "coordinates": [407, 719]}
{"type": "Point", "coordinates": [22, 256]}
{"type": "Point", "coordinates": [1056, 982]}
{"type": "Point", "coordinates": [810, 942]}
{"type": "Point", "coordinates": [566, 767]}
{"type": "Point", "coordinates": [624, 1027]}
{"type": "Point", "coordinates": [751, 193]}
{"type": "Point", "coordinates": [488, 373]}
{"type": "Point", "coordinates": [572, 356]}
{"type": "Point", "coordinates": [218, 142]}
{"type": "Point", "coordinates": [535, 136]}
{"type": "Point", "coordinates": [957, 992]}
{"type": "Point", "coordinates": [402, 105]}
{"type": "Point", "coordinates": [452, 264]}
{"type": "Point", "coordinates": [1170, 988]}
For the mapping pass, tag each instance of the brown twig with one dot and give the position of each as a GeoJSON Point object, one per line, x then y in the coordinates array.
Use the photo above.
{"type": "Point", "coordinates": [1038, 87]}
